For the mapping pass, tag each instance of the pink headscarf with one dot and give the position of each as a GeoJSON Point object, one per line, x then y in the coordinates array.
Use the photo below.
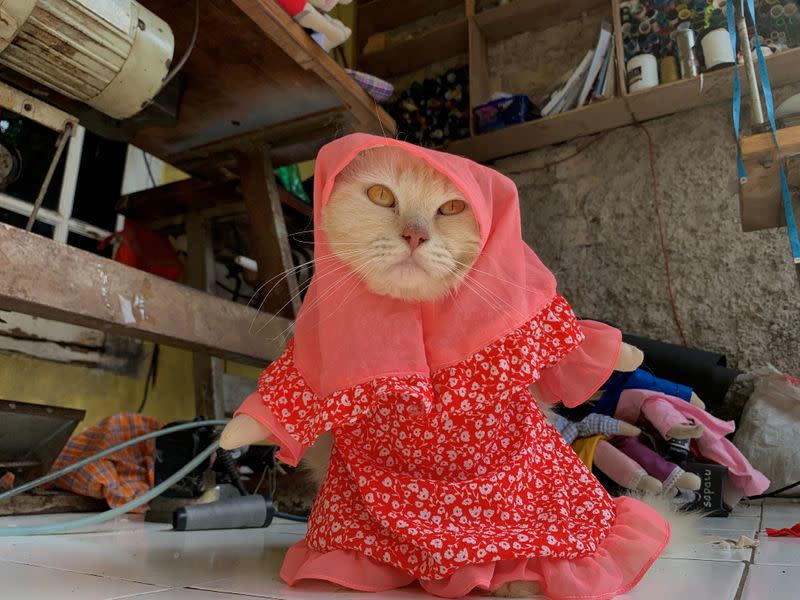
{"type": "Point", "coordinates": [347, 336]}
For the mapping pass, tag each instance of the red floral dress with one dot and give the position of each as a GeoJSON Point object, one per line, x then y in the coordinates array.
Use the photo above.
{"type": "Point", "coordinates": [439, 479]}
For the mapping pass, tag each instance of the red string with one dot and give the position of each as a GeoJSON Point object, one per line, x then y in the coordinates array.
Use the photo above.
{"type": "Point", "coordinates": [661, 235]}
{"type": "Point", "coordinates": [546, 166]}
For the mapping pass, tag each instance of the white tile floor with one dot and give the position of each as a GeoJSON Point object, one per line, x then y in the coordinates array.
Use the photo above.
{"type": "Point", "coordinates": [132, 559]}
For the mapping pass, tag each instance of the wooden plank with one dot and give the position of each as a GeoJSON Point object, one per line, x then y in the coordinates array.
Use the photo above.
{"type": "Point", "coordinates": [269, 243]}
{"type": "Point", "coordinates": [586, 120]}
{"type": "Point", "coordinates": [193, 195]}
{"type": "Point", "coordinates": [382, 15]}
{"type": "Point", "coordinates": [46, 279]}
{"type": "Point", "coordinates": [293, 40]}
{"type": "Point", "coordinates": [430, 47]}
{"type": "Point", "coordinates": [708, 88]}
{"type": "Point", "coordinates": [50, 502]}
{"type": "Point", "coordinates": [760, 199]}
{"type": "Point", "coordinates": [518, 16]}
{"type": "Point", "coordinates": [619, 50]}
{"type": "Point", "coordinates": [478, 70]}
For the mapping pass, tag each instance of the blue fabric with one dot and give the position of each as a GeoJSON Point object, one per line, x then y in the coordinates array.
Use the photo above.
{"type": "Point", "coordinates": [637, 380]}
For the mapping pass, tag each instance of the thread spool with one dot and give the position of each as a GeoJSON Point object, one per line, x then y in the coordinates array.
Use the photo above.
{"type": "Point", "coordinates": [684, 40]}
{"type": "Point", "coordinates": [685, 14]}
{"type": "Point", "coordinates": [644, 27]}
{"type": "Point", "coordinates": [776, 11]}
{"type": "Point", "coordinates": [626, 30]}
{"type": "Point", "coordinates": [642, 72]}
{"type": "Point", "coordinates": [790, 10]}
{"type": "Point", "coordinates": [631, 47]}
{"type": "Point", "coordinates": [625, 18]}
{"type": "Point", "coordinates": [717, 49]}
{"type": "Point", "coordinates": [699, 5]}
{"type": "Point", "coordinates": [779, 23]}
{"type": "Point", "coordinates": [770, 2]}
{"type": "Point", "coordinates": [781, 37]}
{"type": "Point", "coordinates": [774, 35]}
{"type": "Point", "coordinates": [638, 12]}
{"type": "Point", "coordinates": [654, 26]}
{"type": "Point", "coordinates": [668, 68]}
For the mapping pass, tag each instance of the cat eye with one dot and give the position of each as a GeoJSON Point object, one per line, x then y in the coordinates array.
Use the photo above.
{"type": "Point", "coordinates": [452, 207]}
{"type": "Point", "coordinates": [381, 195]}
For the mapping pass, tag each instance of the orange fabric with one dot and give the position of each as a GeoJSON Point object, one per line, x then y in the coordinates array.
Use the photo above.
{"type": "Point", "coordinates": [119, 477]}
{"type": "Point", "coordinates": [6, 481]}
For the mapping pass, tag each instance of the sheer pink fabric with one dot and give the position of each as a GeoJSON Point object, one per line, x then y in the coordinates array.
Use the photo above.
{"type": "Point", "coordinates": [614, 569]}
{"type": "Point", "coordinates": [400, 338]}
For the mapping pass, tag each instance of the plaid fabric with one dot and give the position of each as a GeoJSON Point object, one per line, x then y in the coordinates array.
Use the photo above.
{"type": "Point", "coordinates": [6, 481]}
{"type": "Point", "coordinates": [379, 89]}
{"type": "Point", "coordinates": [593, 424]}
{"type": "Point", "coordinates": [120, 477]}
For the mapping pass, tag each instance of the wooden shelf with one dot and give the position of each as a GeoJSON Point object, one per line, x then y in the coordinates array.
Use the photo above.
{"type": "Point", "coordinates": [516, 17]}
{"type": "Point", "coordinates": [760, 199]}
{"type": "Point", "coordinates": [659, 101]}
{"type": "Point", "coordinates": [433, 46]}
{"type": "Point", "coordinates": [586, 120]}
{"type": "Point", "coordinates": [707, 88]}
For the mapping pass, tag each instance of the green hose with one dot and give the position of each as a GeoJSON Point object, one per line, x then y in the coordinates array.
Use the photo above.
{"type": "Point", "coordinates": [120, 510]}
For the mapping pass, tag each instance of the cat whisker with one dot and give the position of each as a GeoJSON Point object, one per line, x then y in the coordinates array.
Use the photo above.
{"type": "Point", "coordinates": [296, 295]}
{"type": "Point", "coordinates": [283, 275]}
{"type": "Point", "coordinates": [500, 279]}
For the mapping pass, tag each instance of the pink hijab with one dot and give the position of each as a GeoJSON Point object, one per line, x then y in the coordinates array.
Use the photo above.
{"type": "Point", "coordinates": [347, 335]}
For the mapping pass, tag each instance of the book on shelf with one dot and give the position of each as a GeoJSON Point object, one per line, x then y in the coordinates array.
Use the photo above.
{"type": "Point", "coordinates": [564, 97]}
{"type": "Point", "coordinates": [601, 52]}
{"type": "Point", "coordinates": [601, 77]}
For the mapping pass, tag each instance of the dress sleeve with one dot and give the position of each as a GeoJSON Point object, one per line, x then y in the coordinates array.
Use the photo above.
{"type": "Point", "coordinates": [582, 372]}
{"type": "Point", "coordinates": [285, 405]}
{"type": "Point", "coordinates": [292, 411]}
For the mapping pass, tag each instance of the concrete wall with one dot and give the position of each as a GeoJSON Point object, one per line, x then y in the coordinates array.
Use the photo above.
{"type": "Point", "coordinates": [592, 221]}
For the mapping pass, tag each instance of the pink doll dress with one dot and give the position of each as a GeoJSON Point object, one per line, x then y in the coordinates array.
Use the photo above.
{"type": "Point", "coordinates": [443, 469]}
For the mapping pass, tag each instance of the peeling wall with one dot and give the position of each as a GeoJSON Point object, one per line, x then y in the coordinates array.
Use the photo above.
{"type": "Point", "coordinates": [592, 221]}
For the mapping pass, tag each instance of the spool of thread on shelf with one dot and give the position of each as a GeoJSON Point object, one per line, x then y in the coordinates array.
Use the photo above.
{"type": "Point", "coordinates": [717, 50]}
{"type": "Point", "coordinates": [642, 72]}
{"type": "Point", "coordinates": [776, 11]}
{"type": "Point", "coordinates": [645, 27]}
{"type": "Point", "coordinates": [668, 67]}
{"type": "Point", "coordinates": [790, 10]}
{"type": "Point", "coordinates": [672, 15]}
{"type": "Point", "coordinates": [685, 14]}
{"type": "Point", "coordinates": [699, 5]}
{"type": "Point", "coordinates": [779, 23]}
{"type": "Point", "coordinates": [626, 30]}
{"type": "Point", "coordinates": [687, 60]}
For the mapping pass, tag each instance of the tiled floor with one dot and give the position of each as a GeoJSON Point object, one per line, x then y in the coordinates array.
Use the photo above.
{"type": "Point", "coordinates": [132, 559]}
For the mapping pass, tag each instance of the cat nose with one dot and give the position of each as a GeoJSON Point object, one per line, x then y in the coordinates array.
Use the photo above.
{"type": "Point", "coordinates": [415, 236]}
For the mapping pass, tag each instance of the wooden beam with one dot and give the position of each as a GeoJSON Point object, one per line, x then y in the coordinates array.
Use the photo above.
{"type": "Point", "coordinates": [291, 38]}
{"type": "Point", "coordinates": [515, 17]}
{"type": "Point", "coordinates": [193, 195]}
{"type": "Point", "coordinates": [46, 279]}
{"type": "Point", "coordinates": [760, 198]}
{"type": "Point", "coordinates": [269, 243]}
{"type": "Point", "coordinates": [207, 370]}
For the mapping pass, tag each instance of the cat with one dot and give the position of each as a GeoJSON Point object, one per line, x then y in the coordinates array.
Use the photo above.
{"type": "Point", "coordinates": [403, 226]}
{"type": "Point", "coordinates": [409, 233]}
{"type": "Point", "coordinates": [415, 240]}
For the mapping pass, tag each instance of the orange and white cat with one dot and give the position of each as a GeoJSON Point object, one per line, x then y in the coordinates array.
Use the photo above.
{"type": "Point", "coordinates": [409, 233]}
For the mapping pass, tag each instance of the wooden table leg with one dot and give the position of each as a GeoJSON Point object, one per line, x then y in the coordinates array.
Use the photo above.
{"type": "Point", "coordinates": [268, 237]}
{"type": "Point", "coordinates": [208, 370]}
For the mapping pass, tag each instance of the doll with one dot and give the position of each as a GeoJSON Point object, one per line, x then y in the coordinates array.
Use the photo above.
{"type": "Point", "coordinates": [612, 446]}
{"type": "Point", "coordinates": [312, 14]}
{"type": "Point", "coordinates": [426, 321]}
{"type": "Point", "coordinates": [676, 413]}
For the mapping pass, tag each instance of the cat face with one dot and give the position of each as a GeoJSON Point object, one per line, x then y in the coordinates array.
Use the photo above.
{"type": "Point", "coordinates": [401, 225]}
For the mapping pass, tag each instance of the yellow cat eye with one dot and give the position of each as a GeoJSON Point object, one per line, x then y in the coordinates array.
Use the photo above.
{"type": "Point", "coordinates": [381, 195]}
{"type": "Point", "coordinates": [452, 207]}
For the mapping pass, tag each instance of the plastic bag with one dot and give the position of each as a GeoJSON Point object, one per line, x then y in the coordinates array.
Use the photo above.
{"type": "Point", "coordinates": [770, 427]}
